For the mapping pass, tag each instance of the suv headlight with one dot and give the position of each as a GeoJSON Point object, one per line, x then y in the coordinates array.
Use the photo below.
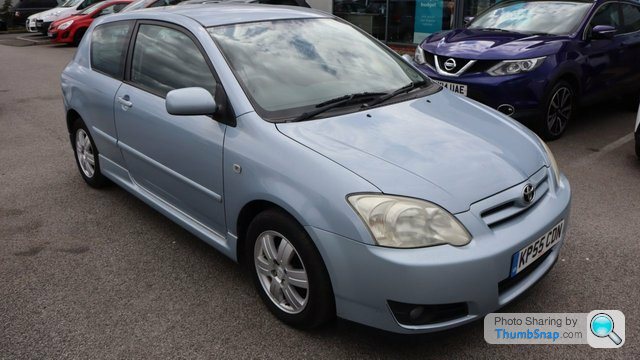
{"type": "Point", "coordinates": [65, 25]}
{"type": "Point", "coordinates": [402, 222]}
{"type": "Point", "coordinates": [512, 67]}
{"type": "Point", "coordinates": [552, 161]}
{"type": "Point", "coordinates": [419, 55]}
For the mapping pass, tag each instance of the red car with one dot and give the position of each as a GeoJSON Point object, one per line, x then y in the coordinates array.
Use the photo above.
{"type": "Point", "coordinates": [71, 29]}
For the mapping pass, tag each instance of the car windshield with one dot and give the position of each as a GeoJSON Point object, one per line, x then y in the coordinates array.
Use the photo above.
{"type": "Point", "coordinates": [288, 67]}
{"type": "Point", "coordinates": [134, 5]}
{"type": "Point", "coordinates": [533, 17]}
{"type": "Point", "coordinates": [70, 3]}
{"type": "Point", "coordinates": [91, 8]}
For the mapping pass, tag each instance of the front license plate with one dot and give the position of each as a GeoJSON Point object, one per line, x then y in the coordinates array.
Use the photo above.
{"type": "Point", "coordinates": [456, 88]}
{"type": "Point", "coordinates": [530, 253]}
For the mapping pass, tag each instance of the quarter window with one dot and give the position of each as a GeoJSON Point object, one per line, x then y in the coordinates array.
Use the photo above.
{"type": "Point", "coordinates": [108, 48]}
{"type": "Point", "coordinates": [631, 16]}
{"type": "Point", "coordinates": [165, 59]}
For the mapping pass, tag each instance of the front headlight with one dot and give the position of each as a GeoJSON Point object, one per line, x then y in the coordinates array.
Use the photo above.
{"type": "Point", "coordinates": [419, 55]}
{"type": "Point", "coordinates": [512, 67]}
{"type": "Point", "coordinates": [552, 161]}
{"type": "Point", "coordinates": [65, 25]}
{"type": "Point", "coordinates": [402, 222]}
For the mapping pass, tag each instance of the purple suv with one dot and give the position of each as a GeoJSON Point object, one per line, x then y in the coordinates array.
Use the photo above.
{"type": "Point", "coordinates": [536, 60]}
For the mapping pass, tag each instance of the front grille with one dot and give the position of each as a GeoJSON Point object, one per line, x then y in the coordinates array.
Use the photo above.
{"type": "Point", "coordinates": [481, 66]}
{"type": "Point", "coordinates": [459, 63]}
{"type": "Point", "coordinates": [478, 66]}
{"type": "Point", "coordinates": [430, 59]}
{"type": "Point", "coordinates": [509, 204]}
{"type": "Point", "coordinates": [508, 283]}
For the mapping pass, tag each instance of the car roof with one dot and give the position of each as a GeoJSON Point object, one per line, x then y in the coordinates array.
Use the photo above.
{"type": "Point", "coordinates": [225, 14]}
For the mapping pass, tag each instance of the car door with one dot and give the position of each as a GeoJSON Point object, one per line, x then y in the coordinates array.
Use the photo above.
{"type": "Point", "coordinates": [176, 158]}
{"type": "Point", "coordinates": [630, 38]}
{"type": "Point", "coordinates": [604, 64]}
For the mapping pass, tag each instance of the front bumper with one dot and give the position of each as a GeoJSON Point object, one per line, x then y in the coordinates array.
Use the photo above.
{"type": "Point", "coordinates": [42, 26]}
{"type": "Point", "coordinates": [31, 25]}
{"type": "Point", "coordinates": [365, 277]}
{"type": "Point", "coordinates": [525, 92]}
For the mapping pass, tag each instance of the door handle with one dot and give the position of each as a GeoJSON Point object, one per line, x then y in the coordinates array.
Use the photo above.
{"type": "Point", "coordinates": [124, 101]}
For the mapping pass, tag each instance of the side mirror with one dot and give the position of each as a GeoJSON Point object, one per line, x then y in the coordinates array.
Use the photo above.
{"type": "Point", "coordinates": [468, 19]}
{"type": "Point", "coordinates": [603, 32]}
{"type": "Point", "coordinates": [408, 58]}
{"type": "Point", "coordinates": [190, 101]}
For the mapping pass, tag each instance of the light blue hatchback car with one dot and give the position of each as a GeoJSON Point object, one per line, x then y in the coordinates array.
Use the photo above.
{"type": "Point", "coordinates": [348, 183]}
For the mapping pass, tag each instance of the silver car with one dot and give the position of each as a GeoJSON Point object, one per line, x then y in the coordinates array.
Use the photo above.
{"type": "Point", "coordinates": [347, 181]}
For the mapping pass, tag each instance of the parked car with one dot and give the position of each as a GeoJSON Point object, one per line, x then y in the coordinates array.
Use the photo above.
{"type": "Point", "coordinates": [298, 145]}
{"type": "Point", "coordinates": [536, 60]}
{"type": "Point", "coordinates": [71, 29]}
{"type": "Point", "coordinates": [143, 4]}
{"type": "Point", "coordinates": [25, 8]}
{"type": "Point", "coordinates": [637, 134]}
{"type": "Point", "coordinates": [301, 3]}
{"type": "Point", "coordinates": [41, 21]}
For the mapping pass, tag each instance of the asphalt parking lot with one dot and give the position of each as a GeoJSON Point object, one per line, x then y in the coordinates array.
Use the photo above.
{"type": "Point", "coordinates": [99, 274]}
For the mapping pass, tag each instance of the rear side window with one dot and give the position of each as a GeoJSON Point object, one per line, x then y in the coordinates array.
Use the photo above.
{"type": "Point", "coordinates": [109, 48]}
{"type": "Point", "coordinates": [165, 59]}
{"type": "Point", "coordinates": [631, 16]}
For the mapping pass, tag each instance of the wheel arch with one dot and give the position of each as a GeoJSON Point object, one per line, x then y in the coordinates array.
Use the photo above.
{"type": "Point", "coordinates": [247, 213]}
{"type": "Point", "coordinates": [72, 116]}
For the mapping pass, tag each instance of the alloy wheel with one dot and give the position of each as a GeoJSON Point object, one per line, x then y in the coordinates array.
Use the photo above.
{"type": "Point", "coordinates": [559, 111]}
{"type": "Point", "coordinates": [281, 272]}
{"type": "Point", "coordinates": [85, 154]}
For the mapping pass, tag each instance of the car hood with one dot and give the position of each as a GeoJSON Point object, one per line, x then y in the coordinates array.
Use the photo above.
{"type": "Point", "coordinates": [42, 14]}
{"type": "Point", "coordinates": [75, 17]}
{"type": "Point", "coordinates": [492, 45]}
{"type": "Point", "coordinates": [443, 148]}
{"type": "Point", "coordinates": [61, 12]}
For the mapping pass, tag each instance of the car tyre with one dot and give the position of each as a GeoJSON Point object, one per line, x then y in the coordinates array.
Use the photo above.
{"type": "Point", "coordinates": [280, 256]}
{"type": "Point", "coordinates": [77, 37]}
{"type": "Point", "coordinates": [87, 155]}
{"type": "Point", "coordinates": [637, 138]}
{"type": "Point", "coordinates": [560, 107]}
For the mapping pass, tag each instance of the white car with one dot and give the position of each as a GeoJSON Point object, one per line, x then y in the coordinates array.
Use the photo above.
{"type": "Point", "coordinates": [40, 22]}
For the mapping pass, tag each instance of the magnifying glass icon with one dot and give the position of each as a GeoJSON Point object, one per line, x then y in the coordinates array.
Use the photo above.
{"type": "Point", "coordinates": [602, 326]}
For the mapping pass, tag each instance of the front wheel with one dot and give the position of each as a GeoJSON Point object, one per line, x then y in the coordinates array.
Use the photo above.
{"type": "Point", "coordinates": [86, 155]}
{"type": "Point", "coordinates": [77, 37]}
{"type": "Point", "coordinates": [559, 109]}
{"type": "Point", "coordinates": [288, 271]}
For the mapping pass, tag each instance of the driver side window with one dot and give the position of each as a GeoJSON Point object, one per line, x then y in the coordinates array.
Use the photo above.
{"type": "Point", "coordinates": [608, 14]}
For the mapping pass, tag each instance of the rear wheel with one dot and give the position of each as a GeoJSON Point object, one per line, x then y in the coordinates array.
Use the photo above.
{"type": "Point", "coordinates": [559, 109]}
{"type": "Point", "coordinates": [288, 271]}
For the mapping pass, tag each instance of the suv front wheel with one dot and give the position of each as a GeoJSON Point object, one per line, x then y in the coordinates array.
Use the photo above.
{"type": "Point", "coordinates": [558, 111]}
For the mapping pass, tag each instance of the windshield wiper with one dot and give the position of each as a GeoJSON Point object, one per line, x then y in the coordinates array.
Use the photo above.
{"type": "Point", "coordinates": [494, 29]}
{"type": "Point", "coordinates": [334, 103]}
{"type": "Point", "coordinates": [405, 89]}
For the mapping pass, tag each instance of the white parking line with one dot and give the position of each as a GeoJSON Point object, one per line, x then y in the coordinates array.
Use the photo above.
{"type": "Point", "coordinates": [32, 40]}
{"type": "Point", "coordinates": [605, 150]}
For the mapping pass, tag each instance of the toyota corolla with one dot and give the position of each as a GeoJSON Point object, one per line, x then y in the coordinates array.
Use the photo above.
{"type": "Point", "coordinates": [346, 181]}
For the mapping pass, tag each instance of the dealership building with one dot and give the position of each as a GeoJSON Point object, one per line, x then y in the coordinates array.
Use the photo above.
{"type": "Point", "coordinates": [403, 22]}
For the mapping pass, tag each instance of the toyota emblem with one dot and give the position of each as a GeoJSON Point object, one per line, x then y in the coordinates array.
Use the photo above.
{"type": "Point", "coordinates": [528, 193]}
{"type": "Point", "coordinates": [450, 64]}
